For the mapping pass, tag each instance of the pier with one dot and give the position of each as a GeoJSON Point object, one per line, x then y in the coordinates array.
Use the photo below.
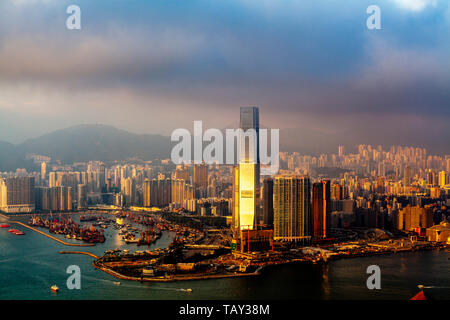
{"type": "Point", "coordinates": [54, 238]}
{"type": "Point", "coordinates": [79, 252]}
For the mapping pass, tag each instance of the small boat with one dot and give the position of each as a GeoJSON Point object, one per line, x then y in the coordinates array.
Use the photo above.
{"type": "Point", "coordinates": [117, 283]}
{"type": "Point", "coordinates": [54, 288]}
{"type": "Point", "coordinates": [4, 225]}
{"type": "Point", "coordinates": [188, 290]}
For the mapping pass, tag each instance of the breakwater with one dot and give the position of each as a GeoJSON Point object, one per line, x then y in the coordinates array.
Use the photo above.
{"type": "Point", "coordinates": [54, 238]}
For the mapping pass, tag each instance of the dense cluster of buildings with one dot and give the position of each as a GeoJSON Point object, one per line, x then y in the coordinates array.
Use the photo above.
{"type": "Point", "coordinates": [400, 189]}
{"type": "Point", "coordinates": [201, 189]}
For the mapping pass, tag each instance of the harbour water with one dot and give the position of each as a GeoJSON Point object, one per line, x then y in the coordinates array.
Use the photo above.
{"type": "Point", "coordinates": [30, 264]}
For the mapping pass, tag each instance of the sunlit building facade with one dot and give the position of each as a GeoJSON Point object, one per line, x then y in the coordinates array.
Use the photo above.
{"type": "Point", "coordinates": [292, 208]}
{"type": "Point", "coordinates": [17, 194]}
{"type": "Point", "coordinates": [246, 180]}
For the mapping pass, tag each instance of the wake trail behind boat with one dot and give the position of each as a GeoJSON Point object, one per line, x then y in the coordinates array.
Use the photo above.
{"type": "Point", "coordinates": [126, 285]}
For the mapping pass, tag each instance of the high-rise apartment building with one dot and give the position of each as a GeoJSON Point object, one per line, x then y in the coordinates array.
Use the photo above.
{"type": "Point", "coordinates": [337, 192]}
{"type": "Point", "coordinates": [407, 176]}
{"type": "Point", "coordinates": [200, 179]}
{"type": "Point", "coordinates": [268, 202]}
{"type": "Point", "coordinates": [82, 196]}
{"type": "Point", "coordinates": [201, 175]}
{"type": "Point", "coordinates": [158, 192]}
{"type": "Point", "coordinates": [182, 172]}
{"type": "Point", "coordinates": [442, 179]}
{"type": "Point", "coordinates": [129, 191]}
{"type": "Point", "coordinates": [54, 199]}
{"type": "Point", "coordinates": [292, 209]}
{"type": "Point", "coordinates": [178, 191]}
{"type": "Point", "coordinates": [147, 193]}
{"type": "Point", "coordinates": [52, 179]}
{"type": "Point", "coordinates": [414, 217]}
{"type": "Point", "coordinates": [43, 171]}
{"type": "Point", "coordinates": [321, 209]}
{"type": "Point", "coordinates": [17, 194]}
{"type": "Point", "coordinates": [341, 151]}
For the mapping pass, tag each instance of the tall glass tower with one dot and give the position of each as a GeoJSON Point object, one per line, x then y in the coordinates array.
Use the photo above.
{"type": "Point", "coordinates": [249, 139]}
{"type": "Point", "coordinates": [248, 170]}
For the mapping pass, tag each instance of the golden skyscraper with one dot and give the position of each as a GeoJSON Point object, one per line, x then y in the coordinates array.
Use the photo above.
{"type": "Point", "coordinates": [247, 173]}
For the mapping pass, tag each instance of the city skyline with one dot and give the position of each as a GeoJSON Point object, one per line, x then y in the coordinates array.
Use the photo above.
{"type": "Point", "coordinates": [228, 220]}
{"type": "Point", "coordinates": [237, 150]}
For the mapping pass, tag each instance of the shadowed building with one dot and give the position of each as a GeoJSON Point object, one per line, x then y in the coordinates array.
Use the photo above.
{"type": "Point", "coordinates": [321, 208]}
{"type": "Point", "coordinates": [200, 179]}
{"type": "Point", "coordinates": [268, 202]}
{"type": "Point", "coordinates": [410, 218]}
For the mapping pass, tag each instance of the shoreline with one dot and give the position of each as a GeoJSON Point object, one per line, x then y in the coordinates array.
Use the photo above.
{"type": "Point", "coordinates": [187, 277]}
{"type": "Point", "coordinates": [175, 278]}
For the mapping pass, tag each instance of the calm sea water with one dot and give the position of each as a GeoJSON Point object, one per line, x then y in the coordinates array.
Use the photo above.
{"type": "Point", "coordinates": [30, 264]}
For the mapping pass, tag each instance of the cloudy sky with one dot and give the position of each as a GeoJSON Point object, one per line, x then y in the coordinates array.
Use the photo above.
{"type": "Point", "coordinates": [153, 66]}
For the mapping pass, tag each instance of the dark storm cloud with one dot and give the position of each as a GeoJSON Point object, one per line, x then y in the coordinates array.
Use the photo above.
{"type": "Point", "coordinates": [310, 62]}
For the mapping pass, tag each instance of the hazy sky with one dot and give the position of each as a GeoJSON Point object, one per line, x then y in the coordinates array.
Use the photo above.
{"type": "Point", "coordinates": [153, 66]}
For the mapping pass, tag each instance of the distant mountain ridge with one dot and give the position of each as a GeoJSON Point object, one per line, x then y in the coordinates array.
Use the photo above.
{"type": "Point", "coordinates": [107, 143]}
{"type": "Point", "coordinates": [84, 143]}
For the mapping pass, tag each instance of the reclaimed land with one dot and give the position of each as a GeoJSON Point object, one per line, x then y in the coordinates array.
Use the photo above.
{"type": "Point", "coordinates": [186, 277]}
{"type": "Point", "coordinates": [172, 278]}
